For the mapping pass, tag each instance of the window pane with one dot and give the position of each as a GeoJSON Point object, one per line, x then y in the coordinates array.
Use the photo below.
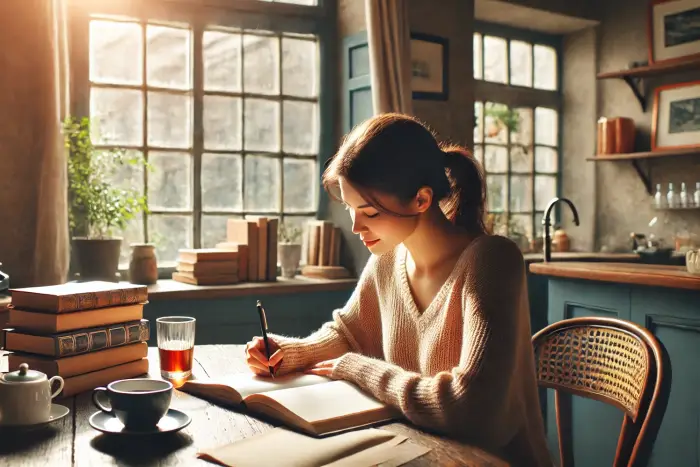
{"type": "Point", "coordinates": [133, 233]}
{"type": "Point", "coordinates": [546, 126]}
{"type": "Point", "coordinates": [496, 159]}
{"type": "Point", "coordinates": [524, 134]}
{"type": "Point", "coordinates": [300, 180]}
{"type": "Point", "coordinates": [300, 127]}
{"type": "Point", "coordinates": [170, 182]}
{"type": "Point", "coordinates": [262, 183]}
{"type": "Point", "coordinates": [539, 230]}
{"type": "Point", "coordinates": [116, 52]}
{"type": "Point", "coordinates": [479, 153]}
{"type": "Point", "coordinates": [222, 182]}
{"type": "Point", "coordinates": [299, 71]}
{"type": "Point", "coordinates": [520, 193]}
{"type": "Point", "coordinates": [117, 116]}
{"type": "Point", "coordinates": [521, 224]}
{"type": "Point", "coordinates": [477, 56]}
{"type": "Point", "coordinates": [262, 125]}
{"type": "Point", "coordinates": [497, 192]}
{"type": "Point", "coordinates": [494, 129]}
{"type": "Point", "coordinates": [520, 159]}
{"type": "Point", "coordinates": [545, 68]}
{"type": "Point", "coordinates": [546, 160]}
{"type": "Point", "coordinates": [520, 63]}
{"type": "Point", "coordinates": [169, 120]}
{"type": "Point", "coordinates": [213, 230]}
{"type": "Point", "coordinates": [545, 190]}
{"type": "Point", "coordinates": [222, 123]}
{"type": "Point", "coordinates": [222, 61]}
{"type": "Point", "coordinates": [129, 176]}
{"type": "Point", "coordinates": [261, 64]}
{"type": "Point", "coordinates": [478, 121]}
{"type": "Point", "coordinates": [495, 60]}
{"type": "Point", "coordinates": [169, 233]}
{"type": "Point", "coordinates": [168, 57]}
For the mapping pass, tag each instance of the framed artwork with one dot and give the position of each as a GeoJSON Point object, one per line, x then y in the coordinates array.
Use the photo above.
{"type": "Point", "coordinates": [676, 117]}
{"type": "Point", "coordinates": [674, 30]}
{"type": "Point", "coordinates": [429, 67]}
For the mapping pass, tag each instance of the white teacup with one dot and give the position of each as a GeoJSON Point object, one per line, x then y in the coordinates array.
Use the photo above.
{"type": "Point", "coordinates": [692, 261]}
{"type": "Point", "coordinates": [25, 396]}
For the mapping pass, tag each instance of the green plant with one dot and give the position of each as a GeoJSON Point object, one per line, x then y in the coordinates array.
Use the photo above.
{"type": "Point", "coordinates": [505, 116]}
{"type": "Point", "coordinates": [288, 233]}
{"type": "Point", "coordinates": [96, 205]}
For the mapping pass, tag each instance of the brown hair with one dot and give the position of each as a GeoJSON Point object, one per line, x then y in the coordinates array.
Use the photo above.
{"type": "Point", "coordinates": [397, 154]}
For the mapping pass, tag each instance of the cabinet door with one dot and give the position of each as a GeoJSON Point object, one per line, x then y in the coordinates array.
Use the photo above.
{"type": "Point", "coordinates": [673, 316]}
{"type": "Point", "coordinates": [595, 425]}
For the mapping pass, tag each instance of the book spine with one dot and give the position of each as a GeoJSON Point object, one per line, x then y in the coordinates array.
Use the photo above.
{"type": "Point", "coordinates": [90, 300]}
{"type": "Point", "coordinates": [97, 339]}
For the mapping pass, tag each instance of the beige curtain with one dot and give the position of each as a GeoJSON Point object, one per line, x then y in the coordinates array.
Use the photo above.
{"type": "Point", "coordinates": [388, 34]}
{"type": "Point", "coordinates": [34, 246]}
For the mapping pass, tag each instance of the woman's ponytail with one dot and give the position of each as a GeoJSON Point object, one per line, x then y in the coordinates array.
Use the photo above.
{"type": "Point", "coordinates": [465, 206]}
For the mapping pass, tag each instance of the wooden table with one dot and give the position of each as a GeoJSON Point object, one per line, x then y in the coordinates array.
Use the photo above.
{"type": "Point", "coordinates": [73, 442]}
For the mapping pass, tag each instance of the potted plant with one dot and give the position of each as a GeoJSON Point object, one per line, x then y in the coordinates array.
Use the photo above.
{"type": "Point", "coordinates": [289, 249]}
{"type": "Point", "coordinates": [97, 207]}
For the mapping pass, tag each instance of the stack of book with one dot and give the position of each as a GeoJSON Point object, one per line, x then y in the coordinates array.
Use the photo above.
{"type": "Point", "coordinates": [89, 333]}
{"type": "Point", "coordinates": [323, 251]}
{"type": "Point", "coordinates": [258, 236]}
{"type": "Point", "coordinates": [210, 266]}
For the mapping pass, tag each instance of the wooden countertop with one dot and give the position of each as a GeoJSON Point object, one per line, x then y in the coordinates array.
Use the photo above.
{"type": "Point", "coordinates": [627, 273]}
{"type": "Point", "coordinates": [574, 255]}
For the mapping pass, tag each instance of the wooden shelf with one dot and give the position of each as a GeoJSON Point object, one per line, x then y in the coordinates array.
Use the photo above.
{"type": "Point", "coordinates": [634, 76]}
{"type": "Point", "coordinates": [636, 157]}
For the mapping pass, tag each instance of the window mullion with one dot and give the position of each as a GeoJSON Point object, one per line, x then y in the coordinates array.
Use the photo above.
{"type": "Point", "coordinates": [280, 134]}
{"type": "Point", "coordinates": [144, 91]}
{"type": "Point", "coordinates": [242, 121]}
{"type": "Point", "coordinates": [197, 52]}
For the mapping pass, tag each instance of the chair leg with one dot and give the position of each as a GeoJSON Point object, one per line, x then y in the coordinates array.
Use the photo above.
{"type": "Point", "coordinates": [562, 403]}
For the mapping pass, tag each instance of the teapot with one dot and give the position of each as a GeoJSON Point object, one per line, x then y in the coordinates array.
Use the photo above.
{"type": "Point", "coordinates": [25, 396]}
{"type": "Point", "coordinates": [692, 261]}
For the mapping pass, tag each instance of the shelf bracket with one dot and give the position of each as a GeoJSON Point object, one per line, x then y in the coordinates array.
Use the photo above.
{"type": "Point", "coordinates": [637, 87]}
{"type": "Point", "coordinates": [644, 175]}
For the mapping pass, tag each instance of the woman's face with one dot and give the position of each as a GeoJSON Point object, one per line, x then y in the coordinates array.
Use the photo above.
{"type": "Point", "coordinates": [379, 231]}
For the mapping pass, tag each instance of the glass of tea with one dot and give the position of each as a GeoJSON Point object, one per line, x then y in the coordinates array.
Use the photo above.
{"type": "Point", "coordinates": [175, 346]}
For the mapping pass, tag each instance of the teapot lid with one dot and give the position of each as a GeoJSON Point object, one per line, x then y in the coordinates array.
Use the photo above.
{"type": "Point", "coordinates": [24, 375]}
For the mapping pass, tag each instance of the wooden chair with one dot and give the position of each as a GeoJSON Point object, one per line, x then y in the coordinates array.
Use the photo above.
{"type": "Point", "coordinates": [613, 361]}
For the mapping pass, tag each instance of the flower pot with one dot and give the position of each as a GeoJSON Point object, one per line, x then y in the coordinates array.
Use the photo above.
{"type": "Point", "coordinates": [289, 255]}
{"type": "Point", "coordinates": [97, 258]}
{"type": "Point", "coordinates": [143, 266]}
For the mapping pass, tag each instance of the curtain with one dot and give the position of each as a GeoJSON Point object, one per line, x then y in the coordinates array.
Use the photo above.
{"type": "Point", "coordinates": [388, 35]}
{"type": "Point", "coordinates": [34, 244]}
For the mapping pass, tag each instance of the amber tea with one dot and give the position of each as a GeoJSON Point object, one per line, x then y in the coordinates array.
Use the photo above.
{"type": "Point", "coordinates": [175, 346]}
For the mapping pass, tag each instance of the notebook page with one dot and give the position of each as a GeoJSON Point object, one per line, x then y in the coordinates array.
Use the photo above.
{"type": "Point", "coordinates": [248, 383]}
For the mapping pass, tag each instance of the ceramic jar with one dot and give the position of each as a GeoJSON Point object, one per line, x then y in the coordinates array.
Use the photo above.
{"type": "Point", "coordinates": [692, 261]}
{"type": "Point", "coordinates": [289, 255]}
{"type": "Point", "coordinates": [143, 266]}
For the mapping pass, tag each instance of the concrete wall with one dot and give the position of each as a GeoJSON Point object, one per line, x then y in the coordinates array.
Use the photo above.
{"type": "Point", "coordinates": [452, 119]}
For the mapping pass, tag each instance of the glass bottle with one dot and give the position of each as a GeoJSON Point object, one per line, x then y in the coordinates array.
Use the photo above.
{"type": "Point", "coordinates": [696, 195]}
{"type": "Point", "coordinates": [684, 201]}
{"type": "Point", "coordinates": [671, 197]}
{"type": "Point", "coordinates": [659, 200]}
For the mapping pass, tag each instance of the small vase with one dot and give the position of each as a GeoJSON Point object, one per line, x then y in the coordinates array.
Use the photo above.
{"type": "Point", "coordinates": [289, 256]}
{"type": "Point", "coordinates": [143, 266]}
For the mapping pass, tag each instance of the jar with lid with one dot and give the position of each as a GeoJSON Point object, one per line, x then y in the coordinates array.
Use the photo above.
{"type": "Point", "coordinates": [143, 266]}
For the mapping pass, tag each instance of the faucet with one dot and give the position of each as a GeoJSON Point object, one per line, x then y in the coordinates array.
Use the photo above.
{"type": "Point", "coordinates": [547, 244]}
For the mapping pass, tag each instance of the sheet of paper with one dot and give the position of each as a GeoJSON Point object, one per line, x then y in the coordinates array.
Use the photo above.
{"type": "Point", "coordinates": [279, 446]}
{"type": "Point", "coordinates": [248, 383]}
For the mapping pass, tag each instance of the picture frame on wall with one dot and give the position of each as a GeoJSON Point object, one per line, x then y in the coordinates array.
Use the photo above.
{"type": "Point", "coordinates": [676, 117]}
{"type": "Point", "coordinates": [429, 70]}
{"type": "Point", "coordinates": [674, 30]}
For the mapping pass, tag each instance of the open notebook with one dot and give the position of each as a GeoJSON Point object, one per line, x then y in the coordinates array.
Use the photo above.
{"type": "Point", "coordinates": [312, 404]}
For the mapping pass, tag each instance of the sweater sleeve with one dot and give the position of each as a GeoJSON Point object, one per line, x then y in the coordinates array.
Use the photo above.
{"type": "Point", "coordinates": [473, 399]}
{"type": "Point", "coordinates": [346, 332]}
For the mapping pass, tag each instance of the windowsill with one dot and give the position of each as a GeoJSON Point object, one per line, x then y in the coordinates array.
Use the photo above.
{"type": "Point", "coordinates": [168, 289]}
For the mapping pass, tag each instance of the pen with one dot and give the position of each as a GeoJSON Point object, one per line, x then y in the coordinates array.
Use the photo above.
{"type": "Point", "coordinates": [263, 327]}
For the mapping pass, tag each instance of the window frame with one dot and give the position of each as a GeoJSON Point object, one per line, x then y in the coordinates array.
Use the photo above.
{"type": "Point", "coordinates": [516, 96]}
{"type": "Point", "coordinates": [198, 16]}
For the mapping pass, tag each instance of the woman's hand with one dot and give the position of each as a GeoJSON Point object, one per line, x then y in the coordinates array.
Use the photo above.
{"type": "Point", "coordinates": [255, 356]}
{"type": "Point", "coordinates": [323, 368]}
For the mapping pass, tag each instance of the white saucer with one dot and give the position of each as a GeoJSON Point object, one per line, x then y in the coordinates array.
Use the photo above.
{"type": "Point", "coordinates": [57, 412]}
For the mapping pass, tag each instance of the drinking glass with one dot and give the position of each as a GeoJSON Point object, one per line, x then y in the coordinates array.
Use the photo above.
{"type": "Point", "coordinates": [175, 346]}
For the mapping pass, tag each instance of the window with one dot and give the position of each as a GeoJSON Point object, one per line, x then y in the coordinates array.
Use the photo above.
{"type": "Point", "coordinates": [516, 132]}
{"type": "Point", "coordinates": [226, 114]}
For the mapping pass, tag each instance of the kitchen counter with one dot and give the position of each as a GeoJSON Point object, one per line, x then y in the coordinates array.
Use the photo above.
{"type": "Point", "coordinates": [583, 255]}
{"type": "Point", "coordinates": [627, 273]}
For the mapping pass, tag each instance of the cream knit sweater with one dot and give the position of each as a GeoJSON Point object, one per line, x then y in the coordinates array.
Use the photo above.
{"type": "Point", "coordinates": [463, 367]}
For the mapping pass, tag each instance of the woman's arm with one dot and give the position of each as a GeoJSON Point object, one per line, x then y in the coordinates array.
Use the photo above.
{"type": "Point", "coordinates": [476, 398]}
{"type": "Point", "coordinates": [347, 332]}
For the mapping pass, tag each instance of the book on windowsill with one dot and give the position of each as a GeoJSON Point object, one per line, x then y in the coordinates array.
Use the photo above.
{"type": "Point", "coordinates": [215, 279]}
{"type": "Point", "coordinates": [312, 404]}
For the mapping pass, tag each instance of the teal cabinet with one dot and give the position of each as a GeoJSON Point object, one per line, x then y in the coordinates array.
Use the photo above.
{"type": "Point", "coordinates": [674, 317]}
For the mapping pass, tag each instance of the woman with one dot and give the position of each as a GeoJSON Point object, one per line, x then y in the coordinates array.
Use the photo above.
{"type": "Point", "coordinates": [439, 325]}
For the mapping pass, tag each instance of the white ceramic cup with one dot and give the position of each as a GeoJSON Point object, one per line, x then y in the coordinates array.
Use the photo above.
{"type": "Point", "coordinates": [27, 403]}
{"type": "Point", "coordinates": [692, 261]}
